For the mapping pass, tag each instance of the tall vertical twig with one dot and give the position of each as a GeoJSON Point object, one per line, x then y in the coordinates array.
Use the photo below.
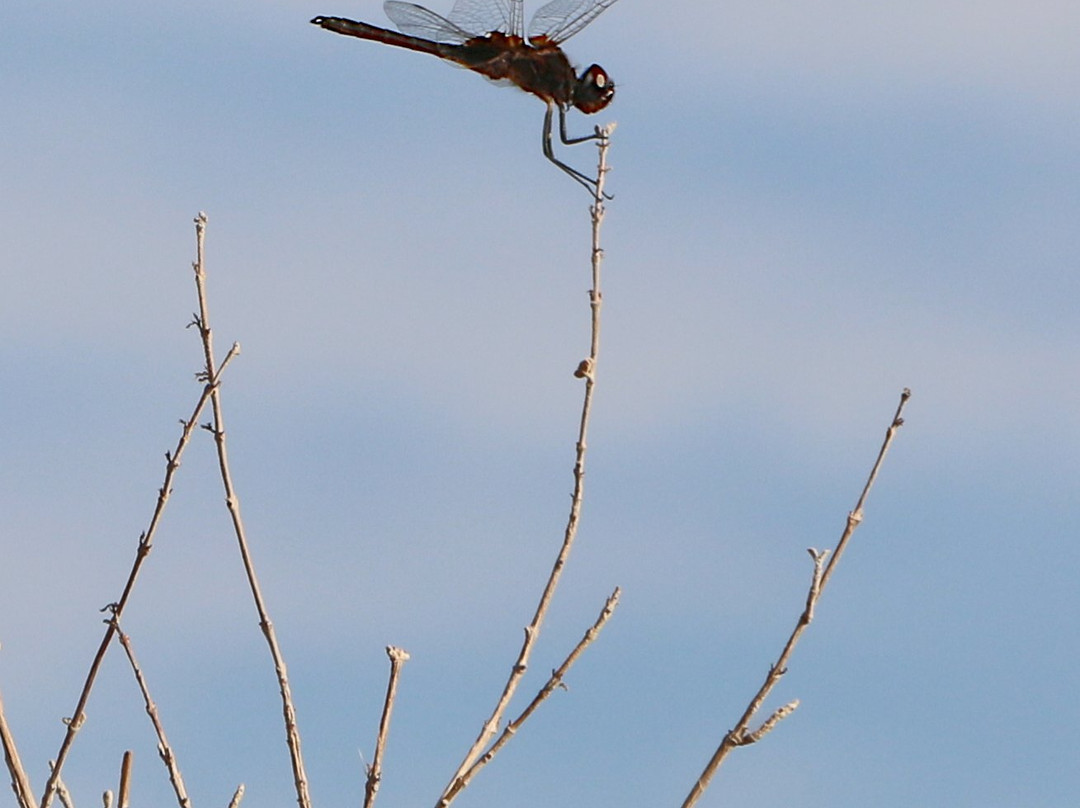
{"type": "Point", "coordinates": [232, 502]}
{"type": "Point", "coordinates": [741, 735]}
{"type": "Point", "coordinates": [211, 379]}
{"type": "Point", "coordinates": [586, 370]}
{"type": "Point", "coordinates": [398, 658]}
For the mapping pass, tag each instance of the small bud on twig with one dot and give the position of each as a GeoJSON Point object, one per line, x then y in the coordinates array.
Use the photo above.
{"type": "Point", "coordinates": [584, 369]}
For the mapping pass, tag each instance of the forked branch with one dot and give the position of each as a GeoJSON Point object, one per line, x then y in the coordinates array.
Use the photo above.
{"type": "Point", "coordinates": [553, 682]}
{"type": "Point", "coordinates": [62, 792]}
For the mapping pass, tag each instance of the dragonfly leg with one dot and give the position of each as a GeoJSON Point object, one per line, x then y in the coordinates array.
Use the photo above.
{"type": "Point", "coordinates": [549, 152]}
{"type": "Point", "coordinates": [570, 141]}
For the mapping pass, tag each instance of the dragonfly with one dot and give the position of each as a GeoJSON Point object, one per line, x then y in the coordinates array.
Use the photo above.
{"type": "Point", "coordinates": [488, 36]}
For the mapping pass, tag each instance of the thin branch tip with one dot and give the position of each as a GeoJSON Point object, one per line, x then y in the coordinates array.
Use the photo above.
{"type": "Point", "coordinates": [237, 796]}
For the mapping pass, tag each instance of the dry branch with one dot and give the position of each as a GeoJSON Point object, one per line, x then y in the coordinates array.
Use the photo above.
{"type": "Point", "coordinates": [123, 799]}
{"type": "Point", "coordinates": [237, 796]}
{"type": "Point", "coordinates": [20, 782]}
{"type": "Point", "coordinates": [740, 735]}
{"type": "Point", "coordinates": [62, 792]}
{"type": "Point", "coordinates": [232, 501]}
{"type": "Point", "coordinates": [165, 751]}
{"type": "Point", "coordinates": [586, 370]}
{"type": "Point", "coordinates": [211, 379]}
{"type": "Point", "coordinates": [398, 658]}
{"type": "Point", "coordinates": [555, 681]}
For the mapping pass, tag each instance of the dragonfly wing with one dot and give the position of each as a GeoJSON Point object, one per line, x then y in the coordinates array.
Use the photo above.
{"type": "Point", "coordinates": [484, 16]}
{"type": "Point", "coordinates": [419, 21]}
{"type": "Point", "coordinates": [561, 19]}
{"type": "Point", "coordinates": [517, 18]}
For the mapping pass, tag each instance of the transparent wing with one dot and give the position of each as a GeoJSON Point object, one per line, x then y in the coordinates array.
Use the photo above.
{"type": "Point", "coordinates": [561, 19]}
{"type": "Point", "coordinates": [418, 21]}
{"type": "Point", "coordinates": [484, 16]}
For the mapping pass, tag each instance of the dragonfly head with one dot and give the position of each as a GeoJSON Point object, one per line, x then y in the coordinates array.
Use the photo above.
{"type": "Point", "coordinates": [594, 90]}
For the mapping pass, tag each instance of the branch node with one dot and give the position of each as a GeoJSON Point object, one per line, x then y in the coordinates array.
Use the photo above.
{"type": "Point", "coordinates": [779, 715]}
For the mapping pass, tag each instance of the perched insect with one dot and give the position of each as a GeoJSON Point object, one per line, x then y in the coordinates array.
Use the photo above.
{"type": "Point", "coordinates": [488, 36]}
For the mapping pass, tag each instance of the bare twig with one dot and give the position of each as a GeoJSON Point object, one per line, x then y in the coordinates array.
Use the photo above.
{"type": "Point", "coordinates": [856, 515]}
{"type": "Point", "coordinates": [123, 799]}
{"type": "Point", "coordinates": [211, 381]}
{"type": "Point", "coordinates": [292, 733]}
{"type": "Point", "coordinates": [20, 782]}
{"type": "Point", "coordinates": [740, 734]}
{"type": "Point", "coordinates": [398, 658]}
{"type": "Point", "coordinates": [555, 681]}
{"type": "Point", "coordinates": [62, 792]}
{"type": "Point", "coordinates": [164, 749]}
{"type": "Point", "coordinates": [237, 796]}
{"type": "Point", "coordinates": [587, 371]}
{"type": "Point", "coordinates": [779, 715]}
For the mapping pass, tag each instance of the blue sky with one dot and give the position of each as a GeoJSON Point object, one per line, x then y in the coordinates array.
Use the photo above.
{"type": "Point", "coordinates": [816, 205]}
